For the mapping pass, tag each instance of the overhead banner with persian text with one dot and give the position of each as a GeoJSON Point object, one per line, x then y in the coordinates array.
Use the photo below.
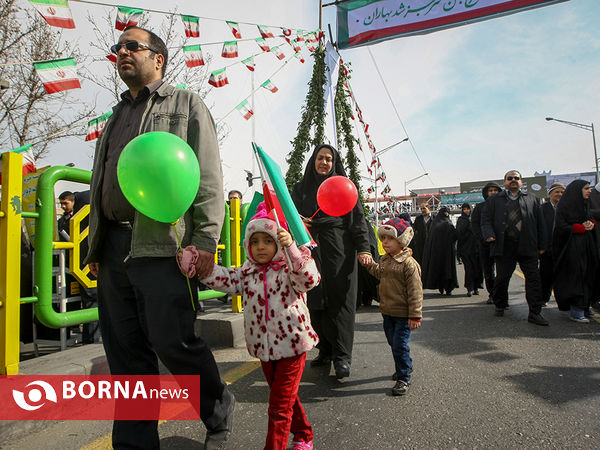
{"type": "Point", "coordinates": [362, 22]}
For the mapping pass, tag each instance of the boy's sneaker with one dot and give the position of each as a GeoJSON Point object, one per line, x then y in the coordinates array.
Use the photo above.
{"type": "Point", "coordinates": [400, 388]}
{"type": "Point", "coordinates": [590, 313]}
{"type": "Point", "coordinates": [300, 445]}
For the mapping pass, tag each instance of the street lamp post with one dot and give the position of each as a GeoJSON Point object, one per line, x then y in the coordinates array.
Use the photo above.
{"type": "Point", "coordinates": [585, 127]}
{"type": "Point", "coordinates": [407, 182]}
{"type": "Point", "coordinates": [375, 155]}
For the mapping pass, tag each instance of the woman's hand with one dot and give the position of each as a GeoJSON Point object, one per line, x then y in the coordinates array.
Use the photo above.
{"type": "Point", "coordinates": [284, 238]}
{"type": "Point", "coordinates": [365, 258]}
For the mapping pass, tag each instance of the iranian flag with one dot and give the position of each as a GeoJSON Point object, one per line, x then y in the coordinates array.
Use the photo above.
{"type": "Point", "coordinates": [193, 55]}
{"type": "Point", "coordinates": [218, 78]}
{"type": "Point", "coordinates": [28, 160]}
{"type": "Point", "coordinates": [127, 17]}
{"type": "Point", "coordinates": [269, 86]}
{"type": "Point", "coordinates": [230, 49]}
{"type": "Point", "coordinates": [263, 44]}
{"type": "Point", "coordinates": [265, 32]}
{"type": "Point", "coordinates": [192, 25]}
{"type": "Point", "coordinates": [280, 55]}
{"type": "Point", "coordinates": [96, 125]}
{"type": "Point", "coordinates": [299, 56]}
{"type": "Point", "coordinates": [245, 110]}
{"type": "Point", "coordinates": [295, 45]}
{"type": "Point", "coordinates": [55, 12]}
{"type": "Point", "coordinates": [235, 29]}
{"type": "Point", "coordinates": [310, 46]}
{"type": "Point", "coordinates": [300, 36]}
{"type": "Point", "coordinates": [112, 57]}
{"type": "Point", "coordinates": [249, 63]}
{"type": "Point", "coordinates": [58, 75]}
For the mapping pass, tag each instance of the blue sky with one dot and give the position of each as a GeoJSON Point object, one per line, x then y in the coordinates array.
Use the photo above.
{"type": "Point", "coordinates": [473, 99]}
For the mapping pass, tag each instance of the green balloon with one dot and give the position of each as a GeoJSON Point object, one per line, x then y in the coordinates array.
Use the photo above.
{"type": "Point", "coordinates": [159, 175]}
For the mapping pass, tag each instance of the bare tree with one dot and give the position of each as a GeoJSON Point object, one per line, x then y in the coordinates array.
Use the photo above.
{"type": "Point", "coordinates": [29, 115]}
{"type": "Point", "coordinates": [171, 31]}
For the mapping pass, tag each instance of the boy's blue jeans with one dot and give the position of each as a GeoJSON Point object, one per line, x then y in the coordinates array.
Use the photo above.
{"type": "Point", "coordinates": [397, 333]}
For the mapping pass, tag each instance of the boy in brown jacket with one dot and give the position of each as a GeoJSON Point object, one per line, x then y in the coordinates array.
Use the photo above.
{"type": "Point", "coordinates": [400, 295]}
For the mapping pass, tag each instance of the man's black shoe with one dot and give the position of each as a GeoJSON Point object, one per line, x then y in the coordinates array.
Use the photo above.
{"type": "Point", "coordinates": [468, 293]}
{"type": "Point", "coordinates": [490, 301]}
{"type": "Point", "coordinates": [499, 312]}
{"type": "Point", "coordinates": [342, 370]}
{"type": "Point", "coordinates": [400, 388]}
{"type": "Point", "coordinates": [476, 292]}
{"type": "Point", "coordinates": [217, 437]}
{"type": "Point", "coordinates": [537, 319]}
{"type": "Point", "coordinates": [321, 360]}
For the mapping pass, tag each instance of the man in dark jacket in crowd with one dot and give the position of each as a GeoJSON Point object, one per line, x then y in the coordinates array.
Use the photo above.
{"type": "Point", "coordinates": [421, 228]}
{"type": "Point", "coordinates": [485, 255]}
{"type": "Point", "coordinates": [512, 221]}
{"type": "Point", "coordinates": [546, 264]}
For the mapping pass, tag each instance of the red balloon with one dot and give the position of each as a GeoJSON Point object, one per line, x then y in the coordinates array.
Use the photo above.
{"type": "Point", "coordinates": [337, 196]}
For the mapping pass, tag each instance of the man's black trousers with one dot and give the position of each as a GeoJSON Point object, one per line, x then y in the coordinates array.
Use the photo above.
{"type": "Point", "coordinates": [145, 311]}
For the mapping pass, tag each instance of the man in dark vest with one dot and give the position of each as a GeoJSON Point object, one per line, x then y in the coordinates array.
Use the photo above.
{"type": "Point", "coordinates": [513, 222]}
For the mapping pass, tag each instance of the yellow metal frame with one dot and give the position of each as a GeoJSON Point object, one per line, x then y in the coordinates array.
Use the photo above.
{"type": "Point", "coordinates": [236, 249]}
{"type": "Point", "coordinates": [75, 255]}
{"type": "Point", "coordinates": [10, 261]}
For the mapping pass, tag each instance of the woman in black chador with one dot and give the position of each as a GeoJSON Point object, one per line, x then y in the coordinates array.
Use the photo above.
{"type": "Point", "coordinates": [468, 249]}
{"type": "Point", "coordinates": [439, 255]}
{"type": "Point", "coordinates": [574, 249]}
{"type": "Point", "coordinates": [332, 304]}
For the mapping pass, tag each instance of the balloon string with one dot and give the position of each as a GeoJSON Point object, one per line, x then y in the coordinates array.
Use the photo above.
{"type": "Point", "coordinates": [186, 277]}
{"type": "Point", "coordinates": [313, 216]}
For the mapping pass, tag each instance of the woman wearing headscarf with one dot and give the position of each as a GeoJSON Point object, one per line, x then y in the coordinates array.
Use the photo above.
{"type": "Point", "coordinates": [468, 249]}
{"type": "Point", "coordinates": [439, 255]}
{"type": "Point", "coordinates": [575, 252]}
{"type": "Point", "coordinates": [332, 304]}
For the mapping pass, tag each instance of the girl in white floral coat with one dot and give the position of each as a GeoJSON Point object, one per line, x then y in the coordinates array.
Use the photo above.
{"type": "Point", "coordinates": [276, 320]}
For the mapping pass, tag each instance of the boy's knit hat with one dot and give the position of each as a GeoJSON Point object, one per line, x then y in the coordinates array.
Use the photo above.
{"type": "Point", "coordinates": [399, 229]}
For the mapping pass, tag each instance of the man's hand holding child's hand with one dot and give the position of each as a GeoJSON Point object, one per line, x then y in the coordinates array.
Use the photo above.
{"type": "Point", "coordinates": [284, 238]}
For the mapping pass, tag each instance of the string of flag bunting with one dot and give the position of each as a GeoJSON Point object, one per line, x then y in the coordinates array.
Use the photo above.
{"type": "Point", "coordinates": [61, 74]}
{"type": "Point", "coordinates": [386, 192]}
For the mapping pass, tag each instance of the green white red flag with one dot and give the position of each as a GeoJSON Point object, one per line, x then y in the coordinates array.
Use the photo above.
{"type": "Point", "coordinates": [230, 49]}
{"type": "Point", "coordinates": [191, 25]}
{"type": "Point", "coordinates": [218, 78]}
{"type": "Point", "coordinates": [58, 75]}
{"type": "Point", "coordinates": [268, 85]}
{"type": "Point", "coordinates": [265, 32]}
{"type": "Point", "coordinates": [299, 56]}
{"type": "Point", "coordinates": [277, 52]}
{"type": "Point", "coordinates": [235, 29]}
{"type": "Point", "coordinates": [263, 44]}
{"type": "Point", "coordinates": [55, 12]}
{"type": "Point", "coordinates": [310, 46]}
{"type": "Point", "coordinates": [245, 110]}
{"type": "Point", "coordinates": [127, 17]}
{"type": "Point", "coordinates": [95, 126]}
{"type": "Point", "coordinates": [193, 55]}
{"type": "Point", "coordinates": [249, 63]}
{"type": "Point", "coordinates": [295, 45]}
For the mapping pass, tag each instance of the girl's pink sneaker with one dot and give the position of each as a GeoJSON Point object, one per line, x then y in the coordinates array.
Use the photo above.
{"type": "Point", "coordinates": [299, 445]}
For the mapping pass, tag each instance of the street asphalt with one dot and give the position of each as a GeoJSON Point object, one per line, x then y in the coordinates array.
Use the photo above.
{"type": "Point", "coordinates": [479, 381]}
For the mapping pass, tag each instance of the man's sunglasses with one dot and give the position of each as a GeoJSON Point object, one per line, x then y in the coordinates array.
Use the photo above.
{"type": "Point", "coordinates": [132, 46]}
{"type": "Point", "coordinates": [513, 178]}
